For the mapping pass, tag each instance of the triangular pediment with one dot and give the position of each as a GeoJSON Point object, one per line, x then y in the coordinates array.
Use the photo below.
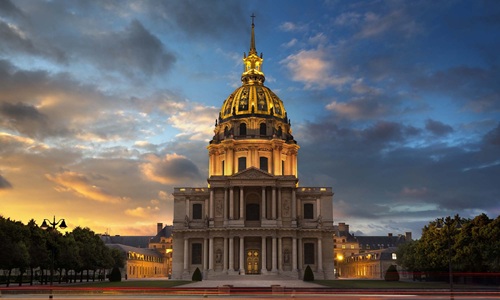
{"type": "Point", "coordinates": [252, 173]}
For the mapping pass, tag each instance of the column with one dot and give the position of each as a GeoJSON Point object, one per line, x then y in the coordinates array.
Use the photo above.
{"type": "Point", "coordinates": [225, 255]}
{"type": "Point", "coordinates": [211, 210]}
{"type": "Point", "coordinates": [279, 204]}
{"type": "Point", "coordinates": [274, 260]}
{"type": "Point", "coordinates": [264, 255]}
{"type": "Point", "coordinates": [241, 203]}
{"type": "Point", "coordinates": [280, 254]}
{"type": "Point", "coordinates": [294, 204]}
{"type": "Point", "coordinates": [186, 253]}
{"type": "Point", "coordinates": [187, 208]}
{"type": "Point", "coordinates": [231, 203]}
{"type": "Point", "coordinates": [273, 203]}
{"type": "Point", "coordinates": [320, 255]}
{"type": "Point", "coordinates": [206, 205]}
{"type": "Point", "coordinates": [300, 254]}
{"type": "Point", "coordinates": [294, 254]}
{"type": "Point", "coordinates": [242, 255]}
{"type": "Point", "coordinates": [205, 254]}
{"type": "Point", "coordinates": [264, 217]}
{"type": "Point", "coordinates": [226, 209]}
{"type": "Point", "coordinates": [318, 207]}
{"type": "Point", "coordinates": [231, 254]}
{"type": "Point", "coordinates": [211, 254]}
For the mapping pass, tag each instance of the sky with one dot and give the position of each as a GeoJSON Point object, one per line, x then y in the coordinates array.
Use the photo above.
{"type": "Point", "coordinates": [106, 106]}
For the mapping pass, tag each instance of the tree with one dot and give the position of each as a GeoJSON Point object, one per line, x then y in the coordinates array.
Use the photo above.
{"type": "Point", "coordinates": [197, 275]}
{"type": "Point", "coordinates": [391, 274]}
{"type": "Point", "coordinates": [308, 274]}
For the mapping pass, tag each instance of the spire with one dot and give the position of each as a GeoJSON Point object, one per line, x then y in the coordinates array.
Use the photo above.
{"type": "Point", "coordinates": [252, 73]}
{"type": "Point", "coordinates": [252, 39]}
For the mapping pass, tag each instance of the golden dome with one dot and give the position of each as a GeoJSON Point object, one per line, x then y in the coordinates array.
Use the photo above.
{"type": "Point", "coordinates": [252, 98]}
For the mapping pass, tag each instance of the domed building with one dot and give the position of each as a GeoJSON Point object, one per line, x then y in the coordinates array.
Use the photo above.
{"type": "Point", "coordinates": [253, 218]}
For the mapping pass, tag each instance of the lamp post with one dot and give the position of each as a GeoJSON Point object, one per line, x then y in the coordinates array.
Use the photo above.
{"type": "Point", "coordinates": [450, 228]}
{"type": "Point", "coordinates": [53, 225]}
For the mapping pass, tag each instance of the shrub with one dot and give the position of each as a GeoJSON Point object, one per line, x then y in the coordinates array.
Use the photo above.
{"type": "Point", "coordinates": [115, 275]}
{"type": "Point", "coordinates": [392, 274]}
{"type": "Point", "coordinates": [308, 274]}
{"type": "Point", "coordinates": [197, 275]}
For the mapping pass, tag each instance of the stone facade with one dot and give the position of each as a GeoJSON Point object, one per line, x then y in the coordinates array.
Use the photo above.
{"type": "Point", "coordinates": [253, 218]}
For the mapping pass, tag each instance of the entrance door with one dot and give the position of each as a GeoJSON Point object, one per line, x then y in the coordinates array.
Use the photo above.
{"type": "Point", "coordinates": [252, 266]}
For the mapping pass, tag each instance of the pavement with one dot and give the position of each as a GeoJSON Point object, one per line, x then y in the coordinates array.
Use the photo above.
{"type": "Point", "coordinates": [253, 281]}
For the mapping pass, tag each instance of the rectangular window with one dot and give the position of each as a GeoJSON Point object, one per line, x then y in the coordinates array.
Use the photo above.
{"type": "Point", "coordinates": [196, 253]}
{"type": "Point", "coordinates": [308, 211]}
{"type": "Point", "coordinates": [282, 167]}
{"type": "Point", "coordinates": [309, 253]}
{"type": "Point", "coordinates": [242, 163]}
{"type": "Point", "coordinates": [197, 211]}
{"type": "Point", "coordinates": [263, 164]}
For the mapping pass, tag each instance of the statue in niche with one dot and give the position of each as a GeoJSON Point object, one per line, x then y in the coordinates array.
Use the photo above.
{"type": "Point", "coordinates": [286, 256]}
{"type": "Point", "coordinates": [186, 221]}
{"type": "Point", "coordinates": [218, 207]}
{"type": "Point", "coordinates": [286, 207]}
{"type": "Point", "coordinates": [218, 256]}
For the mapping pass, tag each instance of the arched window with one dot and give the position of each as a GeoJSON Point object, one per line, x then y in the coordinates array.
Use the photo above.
{"type": "Point", "coordinates": [263, 129]}
{"type": "Point", "coordinates": [243, 129]}
{"type": "Point", "coordinates": [253, 211]}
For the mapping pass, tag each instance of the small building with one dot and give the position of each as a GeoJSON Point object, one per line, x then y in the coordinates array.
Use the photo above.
{"type": "Point", "coordinates": [146, 256]}
{"type": "Point", "coordinates": [369, 265]}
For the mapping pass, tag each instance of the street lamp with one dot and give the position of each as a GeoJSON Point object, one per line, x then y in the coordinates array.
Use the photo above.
{"type": "Point", "coordinates": [450, 228]}
{"type": "Point", "coordinates": [53, 224]}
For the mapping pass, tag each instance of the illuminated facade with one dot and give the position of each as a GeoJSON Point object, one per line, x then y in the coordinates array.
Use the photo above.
{"type": "Point", "coordinates": [253, 218]}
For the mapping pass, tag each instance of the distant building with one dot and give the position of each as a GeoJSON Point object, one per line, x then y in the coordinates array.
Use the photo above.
{"type": "Point", "coordinates": [365, 256]}
{"type": "Point", "coordinates": [146, 256]}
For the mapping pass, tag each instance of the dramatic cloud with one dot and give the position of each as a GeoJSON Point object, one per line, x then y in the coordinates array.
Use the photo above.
{"type": "Point", "coordinates": [79, 184]}
{"type": "Point", "coordinates": [4, 184]}
{"type": "Point", "coordinates": [314, 69]}
{"type": "Point", "coordinates": [171, 169]}
{"type": "Point", "coordinates": [106, 106]}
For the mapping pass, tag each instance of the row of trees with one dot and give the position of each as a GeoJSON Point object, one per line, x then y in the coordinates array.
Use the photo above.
{"type": "Point", "coordinates": [471, 246]}
{"type": "Point", "coordinates": [33, 252]}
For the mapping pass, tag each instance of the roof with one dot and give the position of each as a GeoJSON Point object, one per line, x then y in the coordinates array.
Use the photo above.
{"type": "Point", "coordinates": [132, 241]}
{"type": "Point", "coordinates": [379, 242]}
{"type": "Point", "coordinates": [143, 251]}
{"type": "Point", "coordinates": [166, 232]}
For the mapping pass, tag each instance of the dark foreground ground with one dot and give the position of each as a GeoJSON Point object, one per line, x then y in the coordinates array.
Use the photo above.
{"type": "Point", "coordinates": [252, 289]}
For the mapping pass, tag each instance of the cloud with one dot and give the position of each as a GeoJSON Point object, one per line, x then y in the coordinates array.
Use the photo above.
{"type": "Point", "coordinates": [396, 21]}
{"type": "Point", "coordinates": [438, 128]}
{"type": "Point", "coordinates": [292, 27]}
{"type": "Point", "coordinates": [4, 184]}
{"type": "Point", "coordinates": [133, 51]}
{"type": "Point", "coordinates": [359, 108]}
{"type": "Point", "coordinates": [79, 184]}
{"type": "Point", "coordinates": [171, 169]}
{"type": "Point", "coordinates": [493, 136]}
{"type": "Point", "coordinates": [142, 212]}
{"type": "Point", "coordinates": [314, 69]}
{"type": "Point", "coordinates": [201, 119]}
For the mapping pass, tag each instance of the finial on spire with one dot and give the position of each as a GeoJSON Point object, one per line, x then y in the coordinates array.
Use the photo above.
{"type": "Point", "coordinates": [252, 39]}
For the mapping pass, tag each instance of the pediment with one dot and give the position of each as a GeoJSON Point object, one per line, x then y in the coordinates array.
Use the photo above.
{"type": "Point", "coordinates": [252, 173]}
